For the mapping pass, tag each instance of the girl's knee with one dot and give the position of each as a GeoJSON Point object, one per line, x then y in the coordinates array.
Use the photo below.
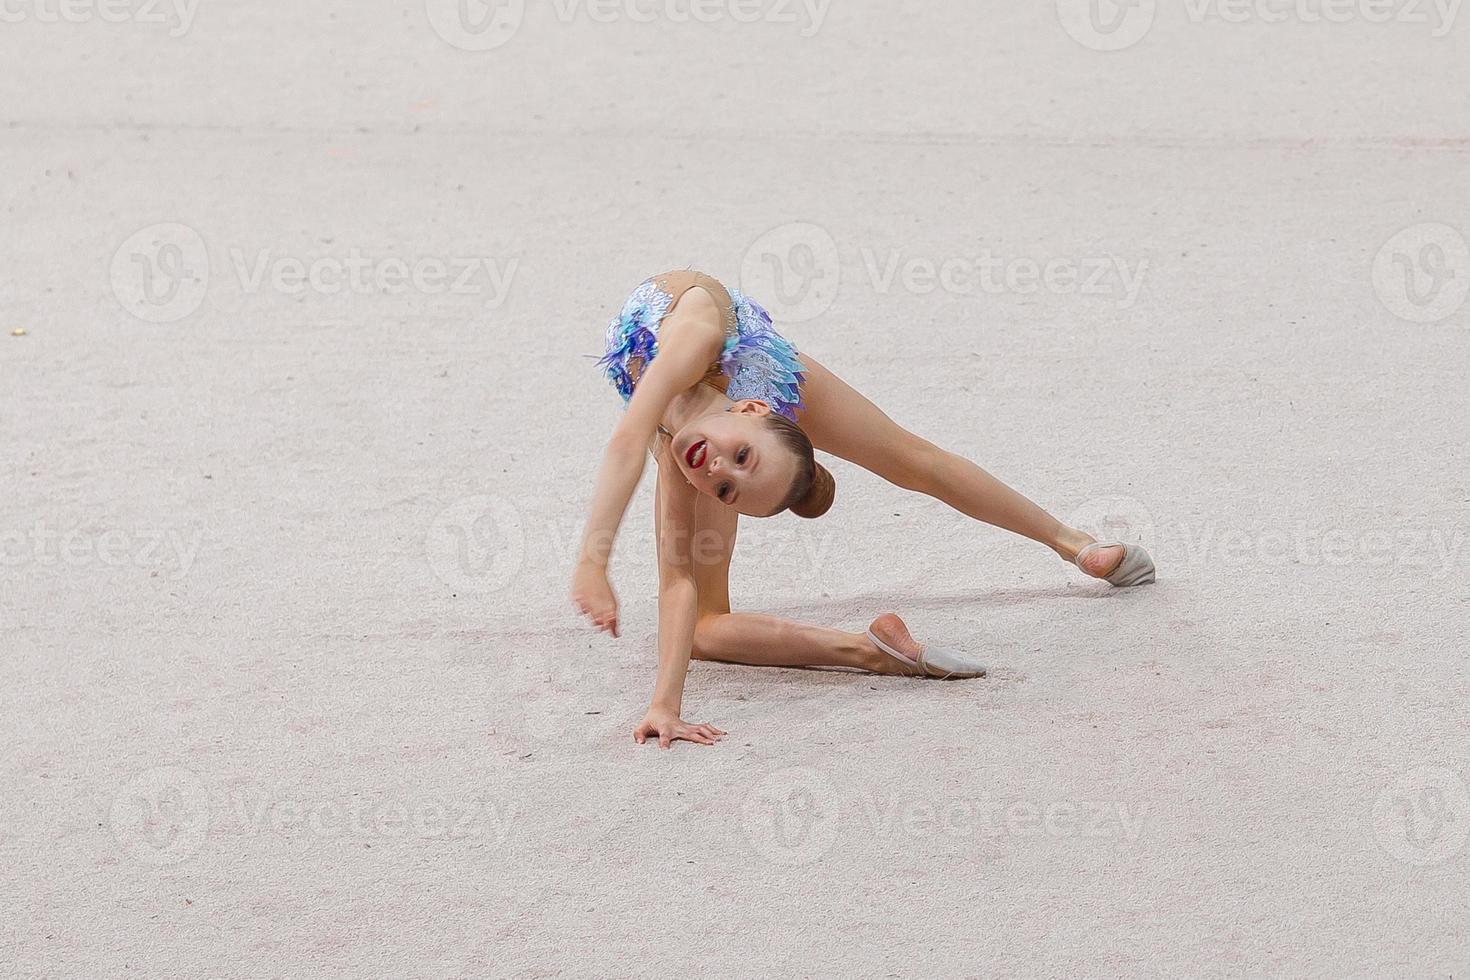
{"type": "Point", "coordinates": [706, 627]}
{"type": "Point", "coordinates": [917, 466]}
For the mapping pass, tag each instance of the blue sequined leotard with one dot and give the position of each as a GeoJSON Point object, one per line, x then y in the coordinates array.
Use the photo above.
{"type": "Point", "coordinates": [757, 362]}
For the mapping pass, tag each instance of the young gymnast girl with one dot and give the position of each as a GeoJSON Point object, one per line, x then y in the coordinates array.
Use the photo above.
{"type": "Point", "coordinates": [731, 413]}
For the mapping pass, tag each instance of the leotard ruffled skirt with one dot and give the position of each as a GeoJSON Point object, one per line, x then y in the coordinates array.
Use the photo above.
{"type": "Point", "coordinates": [757, 361]}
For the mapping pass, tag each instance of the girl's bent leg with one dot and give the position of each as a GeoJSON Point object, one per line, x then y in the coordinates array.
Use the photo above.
{"type": "Point", "coordinates": [769, 641]}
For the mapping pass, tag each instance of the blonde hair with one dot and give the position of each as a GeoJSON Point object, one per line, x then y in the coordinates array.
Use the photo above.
{"type": "Point", "coordinates": [813, 489]}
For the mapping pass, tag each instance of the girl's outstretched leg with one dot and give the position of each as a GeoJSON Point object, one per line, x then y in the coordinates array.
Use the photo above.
{"type": "Point", "coordinates": [841, 421]}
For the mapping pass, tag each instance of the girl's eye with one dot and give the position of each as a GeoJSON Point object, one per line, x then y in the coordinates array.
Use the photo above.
{"type": "Point", "coordinates": [723, 489]}
{"type": "Point", "coordinates": [740, 456]}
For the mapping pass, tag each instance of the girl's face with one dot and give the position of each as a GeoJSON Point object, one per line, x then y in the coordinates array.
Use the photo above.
{"type": "Point", "coordinates": [738, 459]}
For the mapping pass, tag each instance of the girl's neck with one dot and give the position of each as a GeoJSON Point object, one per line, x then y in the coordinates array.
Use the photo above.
{"type": "Point", "coordinates": [700, 400]}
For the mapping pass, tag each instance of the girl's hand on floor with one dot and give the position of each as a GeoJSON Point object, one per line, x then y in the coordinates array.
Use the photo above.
{"type": "Point", "coordinates": [669, 727]}
{"type": "Point", "coordinates": [593, 596]}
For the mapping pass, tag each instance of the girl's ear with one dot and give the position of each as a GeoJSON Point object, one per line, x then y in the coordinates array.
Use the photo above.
{"type": "Point", "coordinates": [750, 406]}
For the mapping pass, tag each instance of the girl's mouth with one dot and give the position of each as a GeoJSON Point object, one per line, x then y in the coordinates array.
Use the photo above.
{"type": "Point", "coordinates": [694, 455]}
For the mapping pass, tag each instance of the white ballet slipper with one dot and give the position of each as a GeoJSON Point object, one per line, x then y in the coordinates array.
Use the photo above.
{"type": "Point", "coordinates": [1136, 568]}
{"type": "Point", "coordinates": [938, 662]}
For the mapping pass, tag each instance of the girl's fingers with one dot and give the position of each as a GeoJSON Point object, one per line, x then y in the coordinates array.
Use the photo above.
{"type": "Point", "coordinates": [603, 620]}
{"type": "Point", "coordinates": [667, 736]}
{"type": "Point", "coordinates": [694, 734]}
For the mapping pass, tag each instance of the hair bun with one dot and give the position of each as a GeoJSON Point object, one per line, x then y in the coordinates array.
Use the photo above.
{"type": "Point", "coordinates": [818, 498]}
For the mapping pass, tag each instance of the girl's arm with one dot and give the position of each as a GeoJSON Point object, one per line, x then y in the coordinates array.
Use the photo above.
{"type": "Point", "coordinates": [678, 607]}
{"type": "Point", "coordinates": [690, 340]}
